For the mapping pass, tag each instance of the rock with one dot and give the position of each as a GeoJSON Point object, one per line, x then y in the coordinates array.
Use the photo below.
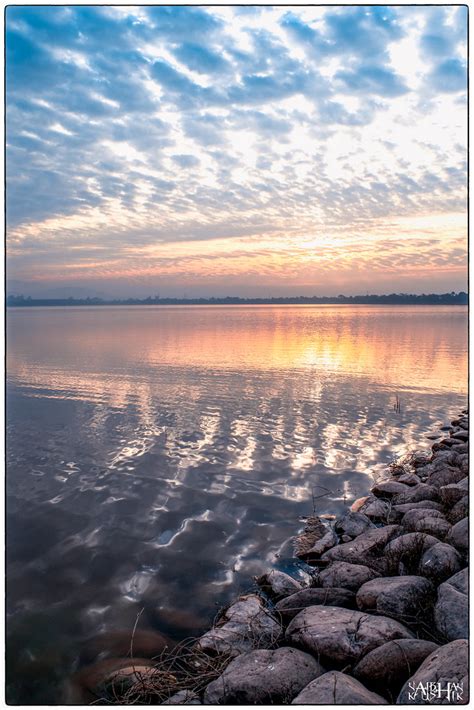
{"type": "Point", "coordinates": [461, 435]}
{"type": "Point", "coordinates": [440, 562]}
{"type": "Point", "coordinates": [245, 625]}
{"type": "Point", "coordinates": [453, 492]}
{"type": "Point", "coordinates": [403, 554]}
{"type": "Point", "coordinates": [335, 688]}
{"type": "Point", "coordinates": [278, 584]}
{"type": "Point", "coordinates": [339, 636]}
{"type": "Point", "coordinates": [409, 479]}
{"type": "Point", "coordinates": [328, 596]}
{"type": "Point", "coordinates": [346, 575]}
{"type": "Point", "coordinates": [353, 524]}
{"type": "Point", "coordinates": [263, 677]}
{"type": "Point", "coordinates": [328, 540]}
{"type": "Point", "coordinates": [183, 697]}
{"type": "Point", "coordinates": [445, 476]}
{"type": "Point", "coordinates": [451, 611]}
{"type": "Point", "coordinates": [419, 460]}
{"type": "Point", "coordinates": [462, 462]}
{"type": "Point", "coordinates": [388, 489]}
{"type": "Point", "coordinates": [386, 668]}
{"type": "Point", "coordinates": [424, 504]}
{"type": "Point", "coordinates": [459, 511]}
{"type": "Point", "coordinates": [404, 598]}
{"type": "Point", "coordinates": [448, 664]}
{"type": "Point", "coordinates": [379, 510]}
{"type": "Point", "coordinates": [102, 677]}
{"type": "Point", "coordinates": [414, 494]}
{"type": "Point", "coordinates": [427, 521]}
{"type": "Point", "coordinates": [365, 548]}
{"type": "Point", "coordinates": [458, 536]}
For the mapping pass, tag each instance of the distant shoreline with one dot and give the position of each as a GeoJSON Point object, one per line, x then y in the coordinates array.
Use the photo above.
{"type": "Point", "coordinates": [444, 299]}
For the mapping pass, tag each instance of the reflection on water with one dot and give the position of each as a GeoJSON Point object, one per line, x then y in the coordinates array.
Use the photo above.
{"type": "Point", "coordinates": [159, 457]}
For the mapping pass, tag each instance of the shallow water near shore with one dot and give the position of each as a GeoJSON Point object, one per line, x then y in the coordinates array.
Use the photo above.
{"type": "Point", "coordinates": [158, 457]}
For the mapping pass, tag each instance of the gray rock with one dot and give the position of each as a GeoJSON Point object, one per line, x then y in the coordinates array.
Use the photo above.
{"type": "Point", "coordinates": [278, 584]}
{"type": "Point", "coordinates": [386, 668]}
{"type": "Point", "coordinates": [427, 521]}
{"type": "Point", "coordinates": [335, 688]}
{"type": "Point", "coordinates": [440, 562]}
{"type": "Point", "coordinates": [453, 492]}
{"type": "Point", "coordinates": [451, 611]}
{"type": "Point", "coordinates": [328, 540]}
{"type": "Point", "coordinates": [184, 697]}
{"type": "Point", "coordinates": [404, 598]}
{"type": "Point", "coordinates": [379, 510]}
{"type": "Point", "coordinates": [458, 536]}
{"type": "Point", "coordinates": [403, 554]}
{"type": "Point", "coordinates": [462, 461]}
{"type": "Point", "coordinates": [243, 626]}
{"type": "Point", "coordinates": [422, 504]}
{"type": "Point", "coordinates": [445, 476]}
{"type": "Point", "coordinates": [346, 575]}
{"type": "Point", "coordinates": [448, 664]}
{"type": "Point", "coordinates": [409, 479]}
{"type": "Point", "coordinates": [263, 677]}
{"type": "Point", "coordinates": [459, 511]}
{"type": "Point", "coordinates": [414, 494]}
{"type": "Point", "coordinates": [328, 596]}
{"type": "Point", "coordinates": [388, 489]}
{"type": "Point", "coordinates": [353, 524]}
{"type": "Point", "coordinates": [365, 549]}
{"type": "Point", "coordinates": [339, 636]}
{"type": "Point", "coordinates": [461, 435]}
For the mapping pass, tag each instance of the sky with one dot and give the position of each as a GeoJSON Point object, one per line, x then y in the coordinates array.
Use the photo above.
{"type": "Point", "coordinates": [250, 151]}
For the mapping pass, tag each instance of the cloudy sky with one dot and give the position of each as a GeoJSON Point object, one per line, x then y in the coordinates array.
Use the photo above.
{"type": "Point", "coordinates": [245, 151]}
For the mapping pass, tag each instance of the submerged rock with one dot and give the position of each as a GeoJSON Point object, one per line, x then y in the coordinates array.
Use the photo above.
{"type": "Point", "coordinates": [278, 584]}
{"type": "Point", "coordinates": [263, 677]}
{"type": "Point", "coordinates": [329, 596]}
{"type": "Point", "coordinates": [447, 665]}
{"type": "Point", "coordinates": [335, 688]}
{"type": "Point", "coordinates": [386, 668]}
{"type": "Point", "coordinates": [340, 636]}
{"type": "Point", "coordinates": [244, 626]}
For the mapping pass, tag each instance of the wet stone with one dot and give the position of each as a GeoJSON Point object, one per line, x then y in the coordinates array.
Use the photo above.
{"type": "Point", "coordinates": [278, 584]}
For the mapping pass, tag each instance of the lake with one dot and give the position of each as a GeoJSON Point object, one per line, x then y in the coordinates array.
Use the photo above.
{"type": "Point", "coordinates": [158, 457]}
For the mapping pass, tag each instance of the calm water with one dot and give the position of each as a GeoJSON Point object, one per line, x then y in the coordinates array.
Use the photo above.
{"type": "Point", "coordinates": [159, 457]}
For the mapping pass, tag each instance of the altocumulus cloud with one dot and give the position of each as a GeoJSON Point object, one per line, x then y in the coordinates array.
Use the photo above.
{"type": "Point", "coordinates": [147, 125]}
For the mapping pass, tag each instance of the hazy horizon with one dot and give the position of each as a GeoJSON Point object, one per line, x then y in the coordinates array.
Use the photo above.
{"type": "Point", "coordinates": [253, 151]}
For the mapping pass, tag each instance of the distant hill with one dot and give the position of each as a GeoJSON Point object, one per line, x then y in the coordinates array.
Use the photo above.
{"type": "Point", "coordinates": [431, 299]}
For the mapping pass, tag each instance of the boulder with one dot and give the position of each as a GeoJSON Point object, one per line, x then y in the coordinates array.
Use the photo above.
{"type": "Point", "coordinates": [445, 476]}
{"type": "Point", "coordinates": [366, 548]}
{"type": "Point", "coordinates": [427, 521]}
{"type": "Point", "coordinates": [425, 504]}
{"type": "Point", "coordinates": [409, 479]}
{"type": "Point", "coordinates": [440, 562]}
{"type": "Point", "coordinates": [346, 575]}
{"type": "Point", "coordinates": [405, 598]}
{"type": "Point", "coordinates": [278, 584]}
{"type": "Point", "coordinates": [328, 540]}
{"type": "Point", "coordinates": [379, 510]}
{"type": "Point", "coordinates": [339, 636]}
{"type": "Point", "coordinates": [386, 668]}
{"type": "Point", "coordinates": [183, 697]}
{"type": "Point", "coordinates": [335, 688]}
{"type": "Point", "coordinates": [447, 665]}
{"type": "Point", "coordinates": [461, 435]}
{"type": "Point", "coordinates": [263, 677]}
{"type": "Point", "coordinates": [388, 489]}
{"type": "Point", "coordinates": [245, 625]}
{"type": "Point", "coordinates": [458, 536]}
{"type": "Point", "coordinates": [403, 554]}
{"type": "Point", "coordinates": [459, 511]}
{"type": "Point", "coordinates": [353, 524]}
{"type": "Point", "coordinates": [329, 596]}
{"type": "Point", "coordinates": [414, 494]}
{"type": "Point", "coordinates": [451, 612]}
{"type": "Point", "coordinates": [453, 492]}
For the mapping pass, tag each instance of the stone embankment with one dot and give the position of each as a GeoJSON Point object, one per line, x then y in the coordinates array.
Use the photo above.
{"type": "Point", "coordinates": [382, 619]}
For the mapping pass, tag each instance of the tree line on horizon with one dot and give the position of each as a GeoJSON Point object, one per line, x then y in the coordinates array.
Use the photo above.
{"type": "Point", "coordinates": [452, 298]}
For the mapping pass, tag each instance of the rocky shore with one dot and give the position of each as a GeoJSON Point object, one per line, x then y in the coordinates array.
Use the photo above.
{"type": "Point", "coordinates": [381, 618]}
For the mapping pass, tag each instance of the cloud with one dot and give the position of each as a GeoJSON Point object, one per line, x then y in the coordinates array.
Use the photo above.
{"type": "Point", "coordinates": [372, 80]}
{"type": "Point", "coordinates": [448, 76]}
